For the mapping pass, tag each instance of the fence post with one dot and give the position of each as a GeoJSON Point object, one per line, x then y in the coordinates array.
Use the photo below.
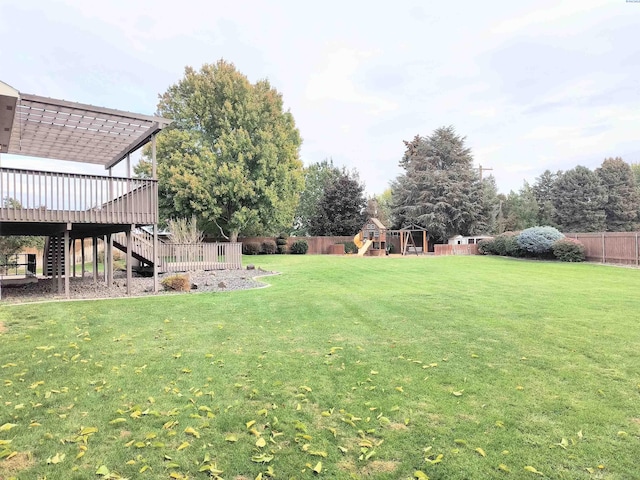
{"type": "Point", "coordinates": [637, 258]}
{"type": "Point", "coordinates": [604, 257]}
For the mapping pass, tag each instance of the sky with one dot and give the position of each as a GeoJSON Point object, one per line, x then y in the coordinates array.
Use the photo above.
{"type": "Point", "coordinates": [532, 85]}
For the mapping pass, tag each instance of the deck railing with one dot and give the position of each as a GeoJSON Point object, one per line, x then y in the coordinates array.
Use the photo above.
{"type": "Point", "coordinates": [37, 196]}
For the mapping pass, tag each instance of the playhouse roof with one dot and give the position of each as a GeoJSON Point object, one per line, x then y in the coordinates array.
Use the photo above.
{"type": "Point", "coordinates": [377, 223]}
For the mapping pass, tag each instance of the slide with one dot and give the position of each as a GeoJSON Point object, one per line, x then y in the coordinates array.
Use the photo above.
{"type": "Point", "coordinates": [357, 240]}
{"type": "Point", "coordinates": [363, 249]}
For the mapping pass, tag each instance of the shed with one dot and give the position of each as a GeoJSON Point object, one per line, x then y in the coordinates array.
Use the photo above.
{"type": "Point", "coordinates": [470, 240]}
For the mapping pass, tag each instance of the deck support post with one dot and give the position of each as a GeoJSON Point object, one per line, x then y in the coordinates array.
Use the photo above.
{"type": "Point", "coordinates": [154, 176]}
{"type": "Point", "coordinates": [109, 263]}
{"type": "Point", "coordinates": [72, 248]}
{"type": "Point", "coordinates": [94, 246]}
{"type": "Point", "coordinates": [82, 258]}
{"type": "Point", "coordinates": [61, 252]}
{"type": "Point", "coordinates": [104, 258]}
{"type": "Point", "coordinates": [66, 261]}
{"type": "Point", "coordinates": [129, 259]}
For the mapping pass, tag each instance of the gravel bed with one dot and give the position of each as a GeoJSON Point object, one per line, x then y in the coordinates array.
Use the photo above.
{"type": "Point", "coordinates": [83, 288]}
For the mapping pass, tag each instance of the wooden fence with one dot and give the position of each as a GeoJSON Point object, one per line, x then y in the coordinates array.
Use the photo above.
{"type": "Point", "coordinates": [455, 249]}
{"type": "Point", "coordinates": [610, 247]}
{"type": "Point", "coordinates": [175, 257]}
{"type": "Point", "coordinates": [317, 245]}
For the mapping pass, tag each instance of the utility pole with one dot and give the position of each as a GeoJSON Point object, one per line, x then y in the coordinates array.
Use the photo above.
{"type": "Point", "coordinates": [480, 170]}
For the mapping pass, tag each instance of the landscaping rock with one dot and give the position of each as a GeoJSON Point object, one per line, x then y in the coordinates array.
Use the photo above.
{"type": "Point", "coordinates": [84, 288]}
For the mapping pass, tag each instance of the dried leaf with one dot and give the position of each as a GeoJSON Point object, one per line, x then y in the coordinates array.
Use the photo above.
{"type": "Point", "coordinates": [481, 452]}
{"type": "Point", "coordinates": [531, 469]}
{"type": "Point", "coordinates": [420, 475]}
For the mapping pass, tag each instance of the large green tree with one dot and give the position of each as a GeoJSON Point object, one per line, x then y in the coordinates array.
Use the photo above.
{"type": "Point", "coordinates": [621, 208]}
{"type": "Point", "coordinates": [518, 210]}
{"type": "Point", "coordinates": [231, 157]}
{"type": "Point", "coordinates": [440, 190]}
{"type": "Point", "coordinates": [488, 222]}
{"type": "Point", "coordinates": [316, 177]}
{"type": "Point", "coordinates": [341, 208]}
{"type": "Point", "coordinates": [579, 200]}
{"type": "Point", "coordinates": [542, 190]}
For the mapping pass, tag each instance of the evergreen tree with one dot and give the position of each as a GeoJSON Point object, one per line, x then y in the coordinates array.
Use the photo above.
{"type": "Point", "coordinates": [518, 210]}
{"type": "Point", "coordinates": [488, 222]}
{"type": "Point", "coordinates": [341, 208]}
{"type": "Point", "coordinates": [579, 200]}
{"type": "Point", "coordinates": [621, 209]}
{"type": "Point", "coordinates": [440, 190]}
{"type": "Point", "coordinates": [542, 191]}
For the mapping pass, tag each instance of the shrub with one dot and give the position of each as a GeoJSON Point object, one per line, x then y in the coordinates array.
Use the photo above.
{"type": "Point", "coordinates": [485, 246]}
{"type": "Point", "coordinates": [251, 248]}
{"type": "Point", "coordinates": [268, 247]}
{"type": "Point", "coordinates": [281, 244]}
{"type": "Point", "coordinates": [538, 241]}
{"type": "Point", "coordinates": [299, 247]}
{"type": "Point", "coordinates": [350, 247]}
{"type": "Point", "coordinates": [178, 283]}
{"type": "Point", "coordinates": [569, 250]}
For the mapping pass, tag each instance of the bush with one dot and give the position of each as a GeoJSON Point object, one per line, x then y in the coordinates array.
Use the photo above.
{"type": "Point", "coordinates": [538, 241]}
{"type": "Point", "coordinates": [178, 283]}
{"type": "Point", "coordinates": [485, 246]}
{"type": "Point", "coordinates": [350, 247]}
{"type": "Point", "coordinates": [281, 244]}
{"type": "Point", "coordinates": [268, 247]}
{"type": "Point", "coordinates": [569, 250]}
{"type": "Point", "coordinates": [505, 245]}
{"type": "Point", "coordinates": [251, 248]}
{"type": "Point", "coordinates": [299, 247]}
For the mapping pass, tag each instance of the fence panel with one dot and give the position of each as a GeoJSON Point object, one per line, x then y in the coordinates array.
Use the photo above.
{"type": "Point", "coordinates": [455, 249]}
{"type": "Point", "coordinates": [176, 257]}
{"type": "Point", "coordinates": [317, 245]}
{"type": "Point", "coordinates": [610, 247]}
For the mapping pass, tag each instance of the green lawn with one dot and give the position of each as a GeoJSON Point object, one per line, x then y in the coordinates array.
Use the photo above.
{"type": "Point", "coordinates": [458, 367]}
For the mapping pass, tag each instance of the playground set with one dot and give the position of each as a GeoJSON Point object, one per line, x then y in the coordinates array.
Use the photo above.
{"type": "Point", "coordinates": [377, 240]}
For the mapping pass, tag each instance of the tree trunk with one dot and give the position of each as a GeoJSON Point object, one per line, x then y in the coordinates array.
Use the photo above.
{"type": "Point", "coordinates": [233, 236]}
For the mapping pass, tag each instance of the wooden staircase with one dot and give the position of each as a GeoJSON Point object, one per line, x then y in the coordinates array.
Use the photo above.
{"type": "Point", "coordinates": [142, 245]}
{"type": "Point", "coordinates": [53, 245]}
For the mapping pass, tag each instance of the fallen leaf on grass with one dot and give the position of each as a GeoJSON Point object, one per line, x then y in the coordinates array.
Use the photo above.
{"type": "Point", "coordinates": [531, 469]}
{"type": "Point", "coordinates": [481, 452]}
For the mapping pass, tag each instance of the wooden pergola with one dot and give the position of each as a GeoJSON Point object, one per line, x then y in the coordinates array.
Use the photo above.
{"type": "Point", "coordinates": [67, 205]}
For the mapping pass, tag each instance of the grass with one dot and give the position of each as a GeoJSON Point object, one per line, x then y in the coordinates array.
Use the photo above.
{"type": "Point", "coordinates": [457, 367]}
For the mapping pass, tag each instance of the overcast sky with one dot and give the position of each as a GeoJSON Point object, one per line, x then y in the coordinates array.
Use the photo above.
{"type": "Point", "coordinates": [532, 85]}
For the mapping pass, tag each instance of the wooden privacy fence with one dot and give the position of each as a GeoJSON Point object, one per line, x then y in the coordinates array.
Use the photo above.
{"type": "Point", "coordinates": [447, 249]}
{"type": "Point", "coordinates": [176, 257]}
{"type": "Point", "coordinates": [610, 247]}
{"type": "Point", "coordinates": [317, 245]}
